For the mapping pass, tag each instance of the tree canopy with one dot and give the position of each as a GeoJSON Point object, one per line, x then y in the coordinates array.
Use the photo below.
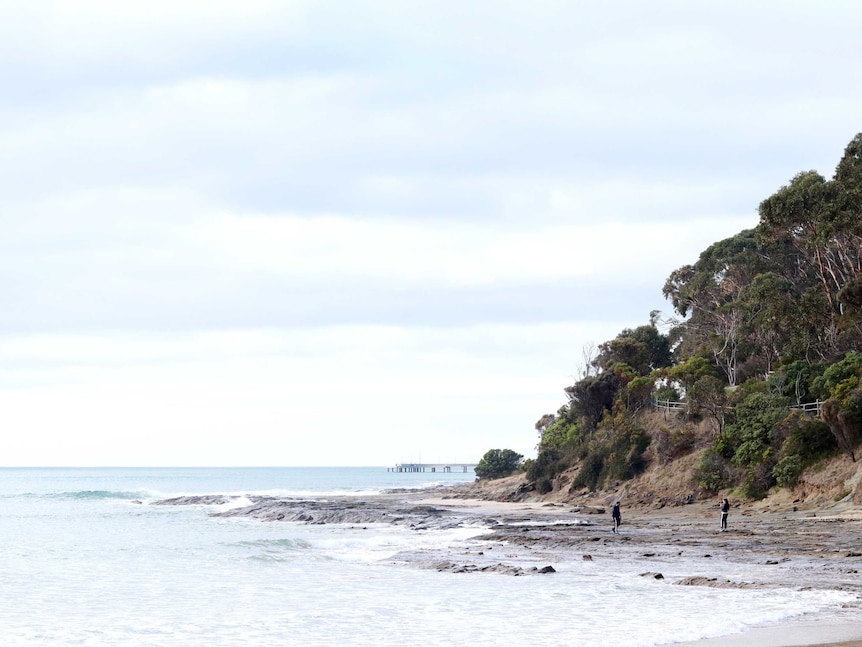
{"type": "Point", "coordinates": [767, 319]}
{"type": "Point", "coordinates": [497, 463]}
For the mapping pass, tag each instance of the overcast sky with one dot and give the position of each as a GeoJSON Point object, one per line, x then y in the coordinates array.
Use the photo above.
{"type": "Point", "coordinates": [362, 233]}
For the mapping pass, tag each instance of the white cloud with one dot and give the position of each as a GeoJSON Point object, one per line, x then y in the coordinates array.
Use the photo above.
{"type": "Point", "coordinates": [341, 395]}
{"type": "Point", "coordinates": [101, 33]}
{"type": "Point", "coordinates": [268, 232]}
{"type": "Point", "coordinates": [422, 252]}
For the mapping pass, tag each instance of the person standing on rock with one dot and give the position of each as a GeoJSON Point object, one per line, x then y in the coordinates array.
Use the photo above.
{"type": "Point", "coordinates": [615, 513]}
{"type": "Point", "coordinates": [725, 508]}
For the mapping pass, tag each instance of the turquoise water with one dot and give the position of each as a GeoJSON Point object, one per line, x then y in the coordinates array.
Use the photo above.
{"type": "Point", "coordinates": [85, 560]}
{"type": "Point", "coordinates": [142, 482]}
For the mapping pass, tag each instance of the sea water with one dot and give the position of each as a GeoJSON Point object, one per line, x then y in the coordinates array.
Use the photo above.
{"type": "Point", "coordinates": [85, 559]}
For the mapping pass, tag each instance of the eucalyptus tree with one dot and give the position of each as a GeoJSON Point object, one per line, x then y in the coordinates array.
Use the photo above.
{"type": "Point", "coordinates": [543, 423]}
{"type": "Point", "coordinates": [712, 293]}
{"type": "Point", "coordinates": [812, 228]}
{"type": "Point", "coordinates": [848, 177]}
{"type": "Point", "coordinates": [801, 213]}
{"type": "Point", "coordinates": [848, 211]}
{"type": "Point", "coordinates": [644, 349]}
{"type": "Point", "coordinates": [590, 397]}
{"type": "Point", "coordinates": [774, 308]}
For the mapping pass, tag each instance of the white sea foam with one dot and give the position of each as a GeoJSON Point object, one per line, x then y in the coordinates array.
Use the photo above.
{"type": "Point", "coordinates": [558, 522]}
{"type": "Point", "coordinates": [234, 502]}
{"type": "Point", "coordinates": [377, 542]}
{"type": "Point", "coordinates": [102, 572]}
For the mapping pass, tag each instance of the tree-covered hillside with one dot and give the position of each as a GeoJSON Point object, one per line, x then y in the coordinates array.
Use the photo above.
{"type": "Point", "coordinates": [766, 321]}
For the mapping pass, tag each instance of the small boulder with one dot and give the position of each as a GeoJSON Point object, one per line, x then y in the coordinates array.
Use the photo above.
{"type": "Point", "coordinates": [657, 576]}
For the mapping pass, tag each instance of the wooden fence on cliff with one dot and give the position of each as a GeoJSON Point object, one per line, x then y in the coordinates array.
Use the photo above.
{"type": "Point", "coordinates": [809, 408]}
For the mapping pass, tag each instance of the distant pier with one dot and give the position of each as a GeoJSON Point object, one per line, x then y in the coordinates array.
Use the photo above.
{"type": "Point", "coordinates": [433, 467]}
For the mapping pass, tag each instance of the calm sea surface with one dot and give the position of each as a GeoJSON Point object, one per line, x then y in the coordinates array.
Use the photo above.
{"type": "Point", "coordinates": [84, 560]}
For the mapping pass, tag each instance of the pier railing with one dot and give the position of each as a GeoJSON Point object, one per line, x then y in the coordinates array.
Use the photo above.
{"type": "Point", "coordinates": [433, 467]}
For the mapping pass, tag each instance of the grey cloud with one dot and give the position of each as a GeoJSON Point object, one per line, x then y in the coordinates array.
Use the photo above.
{"type": "Point", "coordinates": [79, 299]}
{"type": "Point", "coordinates": [475, 111]}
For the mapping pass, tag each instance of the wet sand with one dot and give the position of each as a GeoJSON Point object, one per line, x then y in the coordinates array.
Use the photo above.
{"type": "Point", "coordinates": [790, 635]}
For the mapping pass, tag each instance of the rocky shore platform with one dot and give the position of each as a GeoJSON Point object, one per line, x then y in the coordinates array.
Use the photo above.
{"type": "Point", "coordinates": [682, 544]}
{"type": "Point", "coordinates": [825, 545]}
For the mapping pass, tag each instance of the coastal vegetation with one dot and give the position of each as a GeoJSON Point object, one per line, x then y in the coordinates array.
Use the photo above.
{"type": "Point", "coordinates": [497, 463]}
{"type": "Point", "coordinates": [758, 372]}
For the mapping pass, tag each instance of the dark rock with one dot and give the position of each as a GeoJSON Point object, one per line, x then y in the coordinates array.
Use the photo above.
{"type": "Point", "coordinates": [699, 580]}
{"type": "Point", "coordinates": [590, 510]}
{"type": "Point", "coordinates": [208, 499]}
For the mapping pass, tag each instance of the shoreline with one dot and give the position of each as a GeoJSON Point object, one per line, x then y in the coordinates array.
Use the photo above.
{"type": "Point", "coordinates": [790, 634]}
{"type": "Point", "coordinates": [761, 549]}
{"type": "Point", "coordinates": [824, 542]}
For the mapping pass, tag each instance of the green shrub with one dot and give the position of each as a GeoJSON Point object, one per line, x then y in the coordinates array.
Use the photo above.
{"type": "Point", "coordinates": [808, 441]}
{"type": "Point", "coordinates": [544, 465]}
{"type": "Point", "coordinates": [793, 381]}
{"type": "Point", "coordinates": [811, 440]}
{"type": "Point", "coordinates": [544, 485]}
{"type": "Point", "coordinates": [758, 480]}
{"type": "Point", "coordinates": [497, 463]}
{"type": "Point", "coordinates": [713, 473]}
{"type": "Point", "coordinates": [614, 455]}
{"type": "Point", "coordinates": [725, 445]}
{"type": "Point", "coordinates": [591, 470]}
{"type": "Point", "coordinates": [788, 470]}
{"type": "Point", "coordinates": [751, 436]}
{"type": "Point", "coordinates": [625, 459]}
{"type": "Point", "coordinates": [851, 366]}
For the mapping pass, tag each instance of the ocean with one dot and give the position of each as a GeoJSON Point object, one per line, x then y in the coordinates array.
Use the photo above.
{"type": "Point", "coordinates": [86, 560]}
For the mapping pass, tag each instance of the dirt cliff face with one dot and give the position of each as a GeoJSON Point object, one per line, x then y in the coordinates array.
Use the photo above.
{"type": "Point", "coordinates": [670, 478]}
{"type": "Point", "coordinates": [833, 484]}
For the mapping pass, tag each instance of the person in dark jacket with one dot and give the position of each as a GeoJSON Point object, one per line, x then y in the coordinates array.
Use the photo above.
{"type": "Point", "coordinates": [725, 508]}
{"type": "Point", "coordinates": [615, 513]}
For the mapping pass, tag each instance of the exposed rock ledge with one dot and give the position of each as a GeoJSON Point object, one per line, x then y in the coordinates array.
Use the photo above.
{"type": "Point", "coordinates": [821, 551]}
{"type": "Point", "coordinates": [340, 510]}
{"type": "Point", "coordinates": [505, 569]}
{"type": "Point", "coordinates": [699, 580]}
